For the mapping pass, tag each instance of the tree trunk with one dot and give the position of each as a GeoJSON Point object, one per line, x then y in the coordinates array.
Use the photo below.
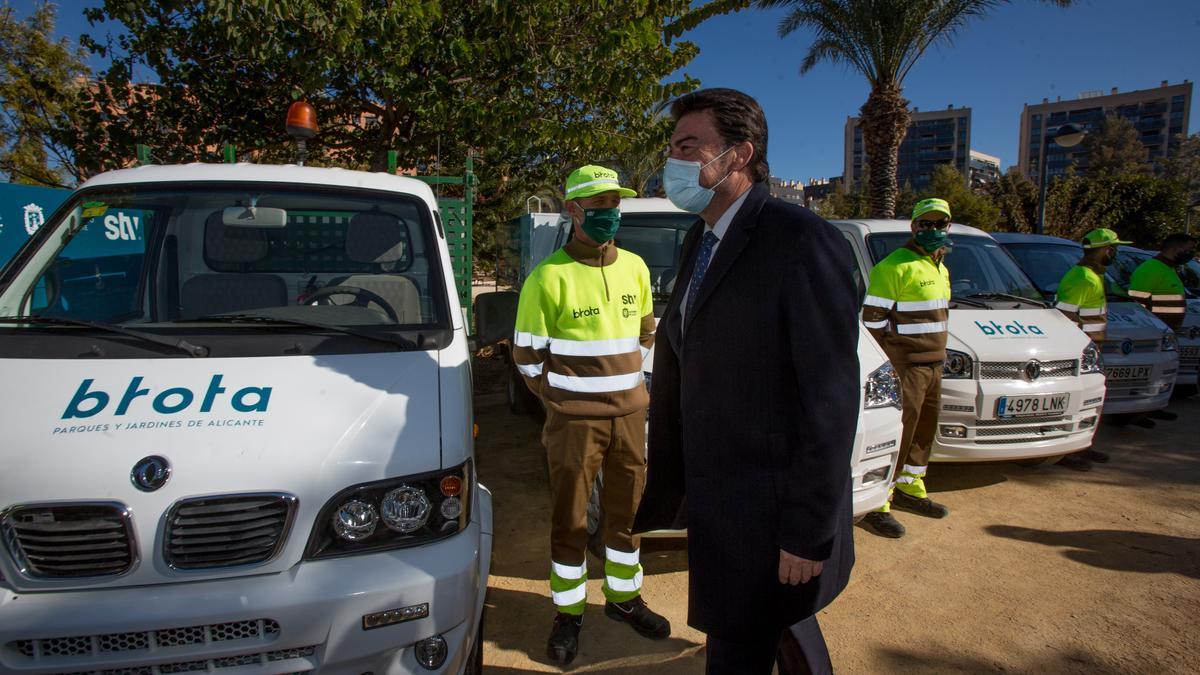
{"type": "Point", "coordinates": [884, 123]}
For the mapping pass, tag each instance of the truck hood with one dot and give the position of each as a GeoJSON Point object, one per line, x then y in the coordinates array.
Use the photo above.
{"type": "Point", "coordinates": [1015, 334]}
{"type": "Point", "coordinates": [302, 425]}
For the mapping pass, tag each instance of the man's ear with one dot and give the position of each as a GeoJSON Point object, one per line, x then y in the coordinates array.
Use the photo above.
{"type": "Point", "coordinates": [745, 154]}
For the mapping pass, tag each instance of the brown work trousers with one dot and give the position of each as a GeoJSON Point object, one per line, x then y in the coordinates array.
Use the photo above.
{"type": "Point", "coordinates": [920, 395]}
{"type": "Point", "coordinates": [576, 449]}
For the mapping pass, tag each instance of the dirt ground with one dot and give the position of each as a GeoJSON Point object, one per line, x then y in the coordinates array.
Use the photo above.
{"type": "Point", "coordinates": [1036, 570]}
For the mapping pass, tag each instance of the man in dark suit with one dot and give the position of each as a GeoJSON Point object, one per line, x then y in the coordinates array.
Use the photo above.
{"type": "Point", "coordinates": [754, 399]}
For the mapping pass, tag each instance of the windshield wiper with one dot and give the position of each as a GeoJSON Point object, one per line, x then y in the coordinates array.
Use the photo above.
{"type": "Point", "coordinates": [178, 344]}
{"type": "Point", "coordinates": [968, 301]}
{"type": "Point", "coordinates": [993, 295]}
{"type": "Point", "coordinates": [261, 319]}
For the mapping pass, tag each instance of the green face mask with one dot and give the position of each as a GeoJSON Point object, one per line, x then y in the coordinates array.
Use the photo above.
{"type": "Point", "coordinates": [600, 225]}
{"type": "Point", "coordinates": [931, 240]}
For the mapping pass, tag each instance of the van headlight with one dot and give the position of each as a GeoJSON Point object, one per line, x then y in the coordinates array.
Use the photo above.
{"type": "Point", "coordinates": [393, 513]}
{"type": "Point", "coordinates": [1091, 361]}
{"type": "Point", "coordinates": [1169, 342]}
{"type": "Point", "coordinates": [957, 366]}
{"type": "Point", "coordinates": [883, 388]}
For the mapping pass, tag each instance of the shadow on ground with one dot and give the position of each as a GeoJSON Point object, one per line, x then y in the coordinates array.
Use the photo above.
{"type": "Point", "coordinates": [1119, 550]}
{"type": "Point", "coordinates": [529, 617]}
{"type": "Point", "coordinates": [938, 660]}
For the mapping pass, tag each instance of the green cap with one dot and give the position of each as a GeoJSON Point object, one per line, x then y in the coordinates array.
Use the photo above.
{"type": "Point", "coordinates": [1101, 237]}
{"type": "Point", "coordinates": [591, 180]}
{"type": "Point", "coordinates": [926, 205]}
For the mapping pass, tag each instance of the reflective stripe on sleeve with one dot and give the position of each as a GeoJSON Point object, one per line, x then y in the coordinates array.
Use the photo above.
{"type": "Point", "coordinates": [530, 340]}
{"type": "Point", "coordinates": [1138, 294]}
{"type": "Point", "coordinates": [1067, 307]}
{"type": "Point", "coordinates": [1168, 298]}
{"type": "Point", "coordinates": [1167, 310]}
{"type": "Point", "coordinates": [876, 301]}
{"type": "Point", "coordinates": [530, 369]}
{"type": "Point", "coordinates": [625, 585]}
{"type": "Point", "coordinates": [569, 572]}
{"type": "Point", "coordinates": [570, 596]}
{"type": "Point", "coordinates": [1092, 327]}
{"type": "Point", "coordinates": [593, 347]}
{"type": "Point", "coordinates": [594, 385]}
{"type": "Point", "coordinates": [922, 305]}
{"type": "Point", "coordinates": [1093, 311]}
{"type": "Point", "coordinates": [621, 557]}
{"type": "Point", "coordinates": [921, 328]}
{"type": "Point", "coordinates": [876, 324]}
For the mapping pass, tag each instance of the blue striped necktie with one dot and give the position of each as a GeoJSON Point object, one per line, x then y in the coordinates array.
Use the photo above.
{"type": "Point", "coordinates": [702, 260]}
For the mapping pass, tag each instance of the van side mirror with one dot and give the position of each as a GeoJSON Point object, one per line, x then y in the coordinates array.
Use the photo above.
{"type": "Point", "coordinates": [495, 317]}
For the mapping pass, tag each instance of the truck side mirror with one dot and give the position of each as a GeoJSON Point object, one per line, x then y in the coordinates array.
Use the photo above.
{"type": "Point", "coordinates": [495, 317]}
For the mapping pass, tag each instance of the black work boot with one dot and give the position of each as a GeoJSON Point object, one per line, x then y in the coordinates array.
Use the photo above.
{"type": "Point", "coordinates": [923, 506]}
{"type": "Point", "coordinates": [635, 613]}
{"type": "Point", "coordinates": [882, 524]}
{"type": "Point", "coordinates": [564, 638]}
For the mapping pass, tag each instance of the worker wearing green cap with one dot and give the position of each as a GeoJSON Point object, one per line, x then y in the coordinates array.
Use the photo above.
{"type": "Point", "coordinates": [1082, 297]}
{"type": "Point", "coordinates": [907, 310]}
{"type": "Point", "coordinates": [585, 322]}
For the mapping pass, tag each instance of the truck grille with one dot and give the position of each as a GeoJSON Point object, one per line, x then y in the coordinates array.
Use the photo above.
{"type": "Point", "coordinates": [1015, 370]}
{"type": "Point", "coordinates": [185, 644]}
{"type": "Point", "coordinates": [64, 541]}
{"type": "Point", "coordinates": [229, 531]}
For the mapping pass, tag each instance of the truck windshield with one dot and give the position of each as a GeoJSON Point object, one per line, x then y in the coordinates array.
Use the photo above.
{"type": "Point", "coordinates": [658, 239]}
{"type": "Point", "coordinates": [978, 266]}
{"type": "Point", "coordinates": [177, 257]}
{"type": "Point", "coordinates": [1045, 263]}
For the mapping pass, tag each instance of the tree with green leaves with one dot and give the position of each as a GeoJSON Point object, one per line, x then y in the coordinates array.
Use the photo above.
{"type": "Point", "coordinates": [883, 40]}
{"type": "Point", "coordinates": [969, 207]}
{"type": "Point", "coordinates": [530, 88]}
{"type": "Point", "coordinates": [1182, 167]}
{"type": "Point", "coordinates": [39, 95]}
{"type": "Point", "coordinates": [1140, 206]}
{"type": "Point", "coordinates": [1115, 148]}
{"type": "Point", "coordinates": [1017, 199]}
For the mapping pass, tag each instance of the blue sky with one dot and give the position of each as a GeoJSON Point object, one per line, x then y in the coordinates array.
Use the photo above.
{"type": "Point", "coordinates": [1018, 54]}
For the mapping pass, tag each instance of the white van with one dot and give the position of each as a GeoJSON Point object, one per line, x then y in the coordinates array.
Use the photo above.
{"type": "Point", "coordinates": [244, 440]}
{"type": "Point", "coordinates": [1020, 380]}
{"type": "Point", "coordinates": [654, 228]}
{"type": "Point", "coordinates": [1141, 361]}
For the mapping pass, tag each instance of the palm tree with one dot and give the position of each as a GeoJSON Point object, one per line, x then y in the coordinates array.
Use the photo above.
{"type": "Point", "coordinates": [882, 40]}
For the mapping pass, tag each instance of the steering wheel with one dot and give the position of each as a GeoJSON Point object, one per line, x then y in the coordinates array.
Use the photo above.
{"type": "Point", "coordinates": [361, 297]}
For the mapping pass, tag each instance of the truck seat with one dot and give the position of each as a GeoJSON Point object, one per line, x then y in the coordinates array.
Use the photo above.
{"type": "Point", "coordinates": [378, 238]}
{"type": "Point", "coordinates": [231, 248]}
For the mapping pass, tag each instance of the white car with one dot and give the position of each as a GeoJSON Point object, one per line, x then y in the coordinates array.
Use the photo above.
{"type": "Point", "coordinates": [1141, 361]}
{"type": "Point", "coordinates": [1128, 259]}
{"type": "Point", "coordinates": [238, 430]}
{"type": "Point", "coordinates": [1020, 381]}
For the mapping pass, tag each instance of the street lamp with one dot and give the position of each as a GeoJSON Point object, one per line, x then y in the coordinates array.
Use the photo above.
{"type": "Point", "coordinates": [1067, 136]}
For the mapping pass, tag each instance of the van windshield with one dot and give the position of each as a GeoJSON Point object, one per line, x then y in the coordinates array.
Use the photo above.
{"type": "Point", "coordinates": [171, 258]}
{"type": "Point", "coordinates": [978, 266]}
{"type": "Point", "coordinates": [1127, 261]}
{"type": "Point", "coordinates": [1046, 263]}
{"type": "Point", "coordinates": [658, 239]}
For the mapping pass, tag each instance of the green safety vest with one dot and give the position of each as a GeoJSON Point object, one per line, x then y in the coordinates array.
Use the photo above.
{"type": "Point", "coordinates": [1081, 296]}
{"type": "Point", "coordinates": [907, 307]}
{"type": "Point", "coordinates": [1158, 287]}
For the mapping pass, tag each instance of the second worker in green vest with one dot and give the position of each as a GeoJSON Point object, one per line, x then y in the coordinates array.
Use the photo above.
{"type": "Point", "coordinates": [585, 321]}
{"type": "Point", "coordinates": [907, 311]}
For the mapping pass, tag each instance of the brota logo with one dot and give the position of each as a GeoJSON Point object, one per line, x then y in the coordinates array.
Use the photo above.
{"type": "Point", "coordinates": [1016, 328]}
{"type": "Point", "coordinates": [87, 403]}
{"type": "Point", "coordinates": [120, 226]}
{"type": "Point", "coordinates": [586, 311]}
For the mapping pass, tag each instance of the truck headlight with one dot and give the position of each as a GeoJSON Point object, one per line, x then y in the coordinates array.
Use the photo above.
{"type": "Point", "coordinates": [415, 510]}
{"type": "Point", "coordinates": [1091, 361]}
{"type": "Point", "coordinates": [1169, 342]}
{"type": "Point", "coordinates": [957, 366]}
{"type": "Point", "coordinates": [883, 388]}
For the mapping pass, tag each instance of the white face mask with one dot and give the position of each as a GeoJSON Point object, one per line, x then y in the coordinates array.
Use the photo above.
{"type": "Point", "coordinates": [681, 181]}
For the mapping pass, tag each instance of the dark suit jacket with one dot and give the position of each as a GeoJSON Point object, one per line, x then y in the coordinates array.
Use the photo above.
{"type": "Point", "coordinates": [752, 418]}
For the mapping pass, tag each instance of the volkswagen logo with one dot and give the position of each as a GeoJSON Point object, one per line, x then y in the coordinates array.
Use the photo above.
{"type": "Point", "coordinates": [1127, 346]}
{"type": "Point", "coordinates": [1032, 370]}
{"type": "Point", "coordinates": [150, 473]}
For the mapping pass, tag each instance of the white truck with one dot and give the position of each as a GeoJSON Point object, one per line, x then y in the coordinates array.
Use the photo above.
{"type": "Point", "coordinates": [1020, 380]}
{"type": "Point", "coordinates": [1141, 361]}
{"type": "Point", "coordinates": [654, 229]}
{"type": "Point", "coordinates": [244, 441]}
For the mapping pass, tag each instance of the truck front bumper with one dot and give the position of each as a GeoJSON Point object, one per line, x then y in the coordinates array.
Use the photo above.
{"type": "Point", "coordinates": [309, 618]}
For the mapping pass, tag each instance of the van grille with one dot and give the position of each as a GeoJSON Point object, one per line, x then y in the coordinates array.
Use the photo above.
{"type": "Point", "coordinates": [1015, 370]}
{"type": "Point", "coordinates": [209, 532]}
{"type": "Point", "coordinates": [1111, 346]}
{"type": "Point", "coordinates": [65, 541]}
